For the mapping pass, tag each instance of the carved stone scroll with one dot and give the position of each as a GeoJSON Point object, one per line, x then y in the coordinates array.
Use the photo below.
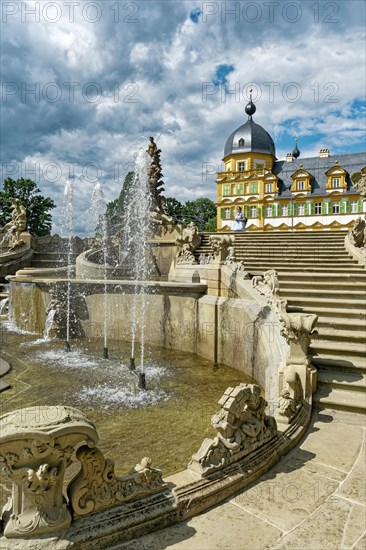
{"type": "Point", "coordinates": [242, 427]}
{"type": "Point", "coordinates": [36, 445]}
{"type": "Point", "coordinates": [96, 486]}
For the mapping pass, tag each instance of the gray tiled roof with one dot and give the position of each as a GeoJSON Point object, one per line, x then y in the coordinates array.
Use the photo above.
{"type": "Point", "coordinates": [255, 137]}
{"type": "Point", "coordinates": [317, 167]}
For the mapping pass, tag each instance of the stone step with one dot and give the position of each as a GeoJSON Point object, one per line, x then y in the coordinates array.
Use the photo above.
{"type": "Point", "coordinates": [332, 278]}
{"type": "Point", "coordinates": [333, 333]}
{"type": "Point", "coordinates": [353, 268]}
{"type": "Point", "coordinates": [305, 262]}
{"type": "Point", "coordinates": [310, 301]}
{"type": "Point", "coordinates": [297, 293]}
{"type": "Point", "coordinates": [337, 313]}
{"type": "Point", "coordinates": [351, 380]}
{"type": "Point", "coordinates": [342, 324]}
{"type": "Point", "coordinates": [290, 284]}
{"type": "Point", "coordinates": [338, 363]}
{"type": "Point", "coordinates": [323, 347]}
{"type": "Point", "coordinates": [340, 399]}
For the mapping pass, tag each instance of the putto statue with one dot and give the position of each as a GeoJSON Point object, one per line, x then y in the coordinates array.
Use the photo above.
{"type": "Point", "coordinates": [16, 225]}
{"type": "Point", "coordinates": [359, 181]}
{"type": "Point", "coordinates": [187, 243]}
{"type": "Point", "coordinates": [155, 178]}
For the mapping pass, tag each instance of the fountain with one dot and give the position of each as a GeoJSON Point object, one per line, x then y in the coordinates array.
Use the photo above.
{"type": "Point", "coordinates": [144, 292]}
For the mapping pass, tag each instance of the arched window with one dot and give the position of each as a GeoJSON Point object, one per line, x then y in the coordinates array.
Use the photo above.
{"type": "Point", "coordinates": [241, 142]}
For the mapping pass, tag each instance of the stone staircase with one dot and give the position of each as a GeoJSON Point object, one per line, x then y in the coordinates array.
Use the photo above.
{"type": "Point", "coordinates": [317, 275]}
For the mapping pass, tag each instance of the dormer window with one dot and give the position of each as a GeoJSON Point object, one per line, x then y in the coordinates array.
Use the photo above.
{"type": "Point", "coordinates": [241, 142]}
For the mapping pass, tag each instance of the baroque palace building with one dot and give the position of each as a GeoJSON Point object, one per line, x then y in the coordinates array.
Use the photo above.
{"type": "Point", "coordinates": [314, 193]}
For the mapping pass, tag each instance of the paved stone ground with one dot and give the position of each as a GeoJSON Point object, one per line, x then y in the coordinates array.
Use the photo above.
{"type": "Point", "coordinates": [313, 499]}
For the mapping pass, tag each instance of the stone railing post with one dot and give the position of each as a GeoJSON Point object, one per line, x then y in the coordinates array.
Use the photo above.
{"type": "Point", "coordinates": [36, 445]}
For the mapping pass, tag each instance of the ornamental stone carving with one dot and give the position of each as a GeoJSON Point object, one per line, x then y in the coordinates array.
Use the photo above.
{"type": "Point", "coordinates": [242, 427]}
{"type": "Point", "coordinates": [357, 235]}
{"type": "Point", "coordinates": [36, 445]}
{"type": "Point", "coordinates": [187, 243]}
{"type": "Point", "coordinates": [359, 181]}
{"type": "Point", "coordinates": [15, 226]}
{"type": "Point", "coordinates": [96, 486]}
{"type": "Point", "coordinates": [221, 245]}
{"type": "Point", "coordinates": [296, 328]}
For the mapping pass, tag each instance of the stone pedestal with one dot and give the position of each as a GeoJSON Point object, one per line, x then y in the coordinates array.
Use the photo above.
{"type": "Point", "coordinates": [36, 445]}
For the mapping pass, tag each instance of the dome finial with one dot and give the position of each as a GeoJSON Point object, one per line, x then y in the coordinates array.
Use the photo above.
{"type": "Point", "coordinates": [250, 109]}
{"type": "Point", "coordinates": [296, 151]}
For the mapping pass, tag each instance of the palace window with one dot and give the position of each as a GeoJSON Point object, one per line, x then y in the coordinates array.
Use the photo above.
{"type": "Point", "coordinates": [253, 188]}
{"type": "Point", "coordinates": [241, 166]}
{"type": "Point", "coordinates": [301, 210]}
{"type": "Point", "coordinates": [268, 211]}
{"type": "Point", "coordinates": [354, 206]}
{"type": "Point", "coordinates": [226, 190]}
{"type": "Point", "coordinates": [268, 187]}
{"type": "Point", "coordinates": [326, 208]}
{"type": "Point", "coordinates": [336, 182]}
{"type": "Point", "coordinates": [241, 142]}
{"type": "Point", "coordinates": [318, 208]}
{"type": "Point", "coordinates": [253, 211]}
{"type": "Point", "coordinates": [284, 210]}
{"type": "Point", "coordinates": [300, 185]}
{"type": "Point", "coordinates": [240, 188]}
{"type": "Point", "coordinates": [335, 208]}
{"type": "Point", "coordinates": [227, 213]}
{"type": "Point", "coordinates": [259, 165]}
{"type": "Point", "coordinates": [228, 166]}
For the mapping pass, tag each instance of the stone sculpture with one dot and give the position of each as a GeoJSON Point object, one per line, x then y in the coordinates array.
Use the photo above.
{"type": "Point", "coordinates": [357, 235]}
{"type": "Point", "coordinates": [187, 243]}
{"type": "Point", "coordinates": [221, 245]}
{"type": "Point", "coordinates": [36, 445]}
{"type": "Point", "coordinates": [16, 225]}
{"type": "Point", "coordinates": [96, 486]}
{"type": "Point", "coordinates": [359, 181]}
{"type": "Point", "coordinates": [242, 427]}
{"type": "Point", "coordinates": [155, 178]}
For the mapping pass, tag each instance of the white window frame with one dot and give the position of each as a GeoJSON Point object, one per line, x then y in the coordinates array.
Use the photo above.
{"type": "Point", "coordinates": [238, 166]}
{"type": "Point", "coordinates": [227, 213]}
{"type": "Point", "coordinates": [269, 211]}
{"type": "Point", "coordinates": [269, 187]}
{"type": "Point", "coordinates": [354, 207]}
{"type": "Point", "coordinates": [300, 185]}
{"type": "Point", "coordinates": [301, 210]}
{"type": "Point", "coordinates": [284, 210]}
{"type": "Point", "coordinates": [253, 211]}
{"type": "Point", "coordinates": [334, 184]}
{"type": "Point", "coordinates": [336, 207]}
{"type": "Point", "coordinates": [317, 206]}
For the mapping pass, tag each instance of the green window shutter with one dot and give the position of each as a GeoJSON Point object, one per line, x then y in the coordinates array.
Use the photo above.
{"type": "Point", "coordinates": [247, 211]}
{"type": "Point", "coordinates": [359, 205]}
{"type": "Point", "coordinates": [348, 206]}
{"type": "Point", "coordinates": [263, 211]}
{"type": "Point", "coordinates": [256, 212]}
{"type": "Point", "coordinates": [232, 212]}
{"type": "Point", "coordinates": [312, 208]}
{"type": "Point", "coordinates": [323, 207]}
{"type": "Point", "coordinates": [222, 213]}
{"type": "Point", "coordinates": [295, 209]}
{"type": "Point", "coordinates": [341, 207]}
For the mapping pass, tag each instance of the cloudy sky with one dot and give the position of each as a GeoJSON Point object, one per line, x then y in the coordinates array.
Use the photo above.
{"type": "Point", "coordinates": [84, 84]}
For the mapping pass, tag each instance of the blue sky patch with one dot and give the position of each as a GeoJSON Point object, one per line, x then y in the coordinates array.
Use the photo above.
{"type": "Point", "coordinates": [222, 71]}
{"type": "Point", "coordinates": [195, 14]}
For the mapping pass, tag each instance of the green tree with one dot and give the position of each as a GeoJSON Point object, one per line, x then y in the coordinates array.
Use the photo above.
{"type": "Point", "coordinates": [115, 209]}
{"type": "Point", "coordinates": [174, 209]}
{"type": "Point", "coordinates": [39, 219]}
{"type": "Point", "coordinates": [202, 212]}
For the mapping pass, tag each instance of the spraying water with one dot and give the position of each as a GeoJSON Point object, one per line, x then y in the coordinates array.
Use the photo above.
{"type": "Point", "coordinates": [48, 324]}
{"type": "Point", "coordinates": [136, 244]}
{"type": "Point", "coordinates": [67, 226]}
{"type": "Point", "coordinates": [98, 208]}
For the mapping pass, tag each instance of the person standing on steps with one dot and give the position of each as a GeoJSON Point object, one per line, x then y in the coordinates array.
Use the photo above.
{"type": "Point", "coordinates": [240, 220]}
